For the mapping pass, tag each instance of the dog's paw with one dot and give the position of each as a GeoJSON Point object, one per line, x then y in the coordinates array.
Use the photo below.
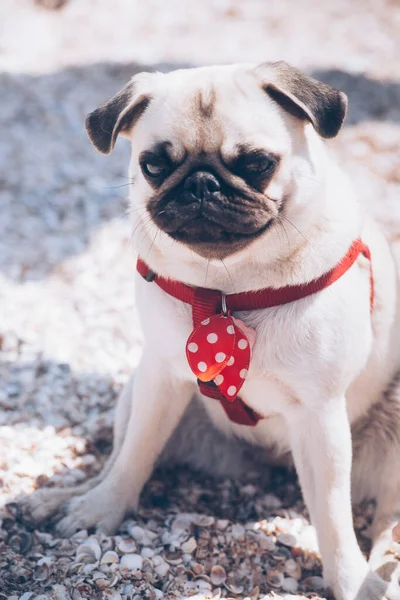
{"type": "Point", "coordinates": [359, 582]}
{"type": "Point", "coordinates": [101, 508]}
{"type": "Point", "coordinates": [44, 503]}
{"type": "Point", "coordinates": [383, 563]}
{"type": "Point", "coordinates": [375, 588]}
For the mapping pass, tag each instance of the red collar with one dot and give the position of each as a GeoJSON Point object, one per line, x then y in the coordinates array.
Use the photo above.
{"type": "Point", "coordinates": [206, 302]}
{"type": "Point", "coordinates": [265, 298]}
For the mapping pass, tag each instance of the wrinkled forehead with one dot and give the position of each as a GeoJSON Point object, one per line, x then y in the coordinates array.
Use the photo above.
{"type": "Point", "coordinates": [212, 110]}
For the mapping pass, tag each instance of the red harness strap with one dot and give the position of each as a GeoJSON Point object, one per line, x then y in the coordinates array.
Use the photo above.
{"type": "Point", "coordinates": [206, 302]}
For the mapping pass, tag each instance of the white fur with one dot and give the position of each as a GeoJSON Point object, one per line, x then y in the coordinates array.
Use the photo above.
{"type": "Point", "coordinates": [318, 365]}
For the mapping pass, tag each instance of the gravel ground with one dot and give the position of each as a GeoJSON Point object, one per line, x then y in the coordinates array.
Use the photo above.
{"type": "Point", "coordinates": [68, 329]}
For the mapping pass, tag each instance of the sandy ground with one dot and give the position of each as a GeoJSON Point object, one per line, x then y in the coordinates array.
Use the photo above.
{"type": "Point", "coordinates": [68, 329]}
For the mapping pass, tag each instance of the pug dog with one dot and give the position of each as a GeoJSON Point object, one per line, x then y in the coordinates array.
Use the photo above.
{"type": "Point", "coordinates": [236, 196]}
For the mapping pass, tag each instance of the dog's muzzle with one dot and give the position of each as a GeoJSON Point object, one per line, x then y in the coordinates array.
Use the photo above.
{"type": "Point", "coordinates": [209, 215]}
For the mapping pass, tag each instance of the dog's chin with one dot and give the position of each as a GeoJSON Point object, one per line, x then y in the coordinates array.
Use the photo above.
{"type": "Point", "coordinates": [212, 241]}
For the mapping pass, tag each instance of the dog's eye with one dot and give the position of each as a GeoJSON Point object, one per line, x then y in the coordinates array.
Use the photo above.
{"type": "Point", "coordinates": [153, 169]}
{"type": "Point", "coordinates": [258, 165]}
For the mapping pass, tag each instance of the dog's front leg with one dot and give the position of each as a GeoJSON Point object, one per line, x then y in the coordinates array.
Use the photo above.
{"type": "Point", "coordinates": [322, 451]}
{"type": "Point", "coordinates": [158, 402]}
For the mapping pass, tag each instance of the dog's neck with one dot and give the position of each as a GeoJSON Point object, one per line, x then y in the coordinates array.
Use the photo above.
{"type": "Point", "coordinates": [297, 250]}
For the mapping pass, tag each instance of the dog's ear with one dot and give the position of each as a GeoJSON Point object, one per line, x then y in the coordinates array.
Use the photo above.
{"type": "Point", "coordinates": [304, 97]}
{"type": "Point", "coordinates": [118, 115]}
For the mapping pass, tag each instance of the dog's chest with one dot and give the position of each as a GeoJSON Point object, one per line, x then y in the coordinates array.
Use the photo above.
{"type": "Point", "coordinates": [304, 351]}
{"type": "Point", "coordinates": [168, 324]}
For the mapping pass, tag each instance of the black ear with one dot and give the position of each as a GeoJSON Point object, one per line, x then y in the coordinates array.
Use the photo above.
{"type": "Point", "coordinates": [304, 97]}
{"type": "Point", "coordinates": [117, 115]}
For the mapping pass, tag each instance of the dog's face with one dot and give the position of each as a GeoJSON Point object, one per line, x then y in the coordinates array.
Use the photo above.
{"type": "Point", "coordinates": [215, 151]}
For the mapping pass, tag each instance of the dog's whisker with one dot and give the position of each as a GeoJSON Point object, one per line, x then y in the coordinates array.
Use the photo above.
{"type": "Point", "coordinates": [298, 230]}
{"type": "Point", "coordinates": [152, 243]}
{"type": "Point", "coordinates": [229, 275]}
{"type": "Point", "coordinates": [286, 234]}
{"type": "Point", "coordinates": [301, 175]}
{"type": "Point", "coordinates": [141, 224]}
{"type": "Point", "coordinates": [120, 175]}
{"type": "Point", "coordinates": [114, 187]}
{"type": "Point", "coordinates": [207, 268]}
{"type": "Point", "coordinates": [133, 209]}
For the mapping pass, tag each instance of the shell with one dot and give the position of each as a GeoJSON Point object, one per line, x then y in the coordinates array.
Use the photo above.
{"type": "Point", "coordinates": [132, 562]}
{"type": "Point", "coordinates": [293, 569]}
{"type": "Point", "coordinates": [287, 539]}
{"type": "Point", "coordinates": [218, 575]}
{"type": "Point", "coordinates": [89, 552]}
{"type": "Point", "coordinates": [203, 585]}
{"type": "Point", "coordinates": [127, 546]}
{"type": "Point", "coordinates": [290, 585]}
{"type": "Point", "coordinates": [109, 557]}
{"type": "Point", "coordinates": [314, 583]}
{"type": "Point", "coordinates": [137, 533]}
{"type": "Point", "coordinates": [275, 578]}
{"type": "Point", "coordinates": [162, 569]}
{"type": "Point", "coordinates": [189, 546]}
{"type": "Point", "coordinates": [203, 520]}
{"type": "Point", "coordinates": [266, 541]}
{"type": "Point", "coordinates": [21, 543]}
{"type": "Point", "coordinates": [173, 558]}
{"type": "Point", "coordinates": [238, 532]}
{"type": "Point", "coordinates": [234, 588]}
{"type": "Point", "coordinates": [198, 569]}
{"type": "Point", "coordinates": [41, 573]}
{"type": "Point", "coordinates": [102, 583]}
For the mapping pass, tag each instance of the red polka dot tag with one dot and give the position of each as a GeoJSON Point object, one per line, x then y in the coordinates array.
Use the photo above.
{"type": "Point", "coordinates": [219, 350]}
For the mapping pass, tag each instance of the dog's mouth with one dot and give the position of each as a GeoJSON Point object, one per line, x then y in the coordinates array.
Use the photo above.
{"type": "Point", "coordinates": [212, 239]}
{"type": "Point", "coordinates": [216, 224]}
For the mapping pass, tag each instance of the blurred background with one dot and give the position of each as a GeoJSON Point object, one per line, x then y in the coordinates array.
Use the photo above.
{"type": "Point", "coordinates": [68, 328]}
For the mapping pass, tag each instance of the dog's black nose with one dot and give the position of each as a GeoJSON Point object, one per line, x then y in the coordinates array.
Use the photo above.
{"type": "Point", "coordinates": [202, 185]}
